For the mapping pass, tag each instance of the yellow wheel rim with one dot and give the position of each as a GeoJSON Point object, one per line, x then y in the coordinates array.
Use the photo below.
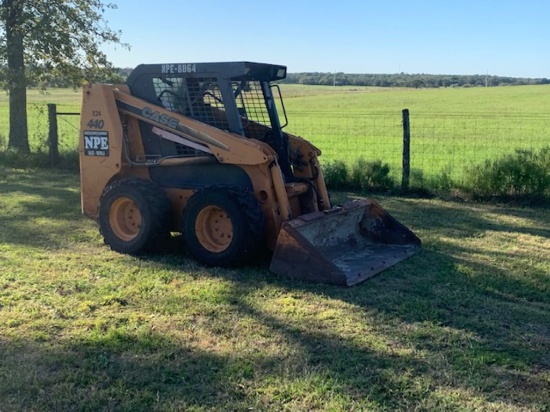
{"type": "Point", "coordinates": [214, 229]}
{"type": "Point", "coordinates": [125, 218]}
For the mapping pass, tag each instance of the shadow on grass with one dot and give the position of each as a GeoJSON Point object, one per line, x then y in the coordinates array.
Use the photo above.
{"type": "Point", "coordinates": [469, 219]}
{"type": "Point", "coordinates": [148, 371]}
{"type": "Point", "coordinates": [459, 338]}
{"type": "Point", "coordinates": [469, 328]}
{"type": "Point", "coordinates": [38, 210]}
{"type": "Point", "coordinates": [121, 371]}
{"type": "Point", "coordinates": [478, 331]}
{"type": "Point", "coordinates": [487, 318]}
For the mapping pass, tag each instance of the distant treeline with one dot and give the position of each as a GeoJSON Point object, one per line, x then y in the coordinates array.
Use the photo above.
{"type": "Point", "coordinates": [407, 80]}
{"type": "Point", "coordinates": [347, 79]}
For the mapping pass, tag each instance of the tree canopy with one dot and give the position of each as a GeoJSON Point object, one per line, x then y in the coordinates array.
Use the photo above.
{"type": "Point", "coordinates": [41, 40]}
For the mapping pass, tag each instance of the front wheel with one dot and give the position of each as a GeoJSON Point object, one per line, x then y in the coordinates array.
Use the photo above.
{"type": "Point", "coordinates": [222, 226]}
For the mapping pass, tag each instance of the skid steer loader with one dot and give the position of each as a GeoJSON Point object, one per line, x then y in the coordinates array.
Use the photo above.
{"type": "Point", "coordinates": [199, 148]}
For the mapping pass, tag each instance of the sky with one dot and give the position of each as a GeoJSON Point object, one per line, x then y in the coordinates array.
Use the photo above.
{"type": "Point", "coordinates": [495, 37]}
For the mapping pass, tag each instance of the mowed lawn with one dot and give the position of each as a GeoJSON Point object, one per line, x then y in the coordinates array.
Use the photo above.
{"type": "Point", "coordinates": [463, 325]}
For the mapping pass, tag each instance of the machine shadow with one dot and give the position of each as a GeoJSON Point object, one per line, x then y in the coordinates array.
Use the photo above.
{"type": "Point", "coordinates": [476, 308]}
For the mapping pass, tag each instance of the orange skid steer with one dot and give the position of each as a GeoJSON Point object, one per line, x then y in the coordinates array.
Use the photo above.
{"type": "Point", "coordinates": [199, 148]}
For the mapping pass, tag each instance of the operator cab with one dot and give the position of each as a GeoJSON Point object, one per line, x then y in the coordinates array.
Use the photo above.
{"type": "Point", "coordinates": [238, 97]}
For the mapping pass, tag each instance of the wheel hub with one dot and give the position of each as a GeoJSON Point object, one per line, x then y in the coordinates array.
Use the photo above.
{"type": "Point", "coordinates": [125, 218]}
{"type": "Point", "coordinates": [214, 229]}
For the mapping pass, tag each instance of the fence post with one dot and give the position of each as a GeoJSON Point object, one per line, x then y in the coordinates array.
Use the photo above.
{"type": "Point", "coordinates": [53, 139]}
{"type": "Point", "coordinates": [406, 152]}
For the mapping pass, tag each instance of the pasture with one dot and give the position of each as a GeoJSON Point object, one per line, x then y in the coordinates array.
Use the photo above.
{"type": "Point", "coordinates": [451, 128]}
{"type": "Point", "coordinates": [67, 100]}
{"type": "Point", "coordinates": [463, 325]}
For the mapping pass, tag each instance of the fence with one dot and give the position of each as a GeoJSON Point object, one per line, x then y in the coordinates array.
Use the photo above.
{"type": "Point", "coordinates": [59, 125]}
{"type": "Point", "coordinates": [439, 144]}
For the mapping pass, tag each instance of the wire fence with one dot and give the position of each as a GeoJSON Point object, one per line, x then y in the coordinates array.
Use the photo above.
{"type": "Point", "coordinates": [68, 130]}
{"type": "Point", "coordinates": [439, 143]}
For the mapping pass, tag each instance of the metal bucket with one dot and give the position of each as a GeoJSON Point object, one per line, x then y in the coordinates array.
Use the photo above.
{"type": "Point", "coordinates": [342, 246]}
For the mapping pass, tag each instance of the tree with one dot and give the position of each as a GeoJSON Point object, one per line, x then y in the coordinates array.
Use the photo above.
{"type": "Point", "coordinates": [43, 39]}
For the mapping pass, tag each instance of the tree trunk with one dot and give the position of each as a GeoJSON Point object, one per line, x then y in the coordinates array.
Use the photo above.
{"type": "Point", "coordinates": [17, 82]}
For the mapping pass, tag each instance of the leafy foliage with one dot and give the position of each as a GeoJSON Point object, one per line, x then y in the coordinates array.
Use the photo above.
{"type": "Point", "coordinates": [374, 175]}
{"type": "Point", "coordinates": [61, 39]}
{"type": "Point", "coordinates": [67, 160]}
{"type": "Point", "coordinates": [336, 174]}
{"type": "Point", "coordinates": [362, 175]}
{"type": "Point", "coordinates": [43, 38]}
{"type": "Point", "coordinates": [442, 182]}
{"type": "Point", "coordinates": [525, 173]}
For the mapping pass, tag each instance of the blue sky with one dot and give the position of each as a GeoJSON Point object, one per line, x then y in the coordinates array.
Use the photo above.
{"type": "Point", "coordinates": [498, 37]}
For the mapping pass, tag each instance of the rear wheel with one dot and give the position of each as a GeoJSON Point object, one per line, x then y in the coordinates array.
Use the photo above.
{"type": "Point", "coordinates": [133, 215]}
{"type": "Point", "coordinates": [222, 226]}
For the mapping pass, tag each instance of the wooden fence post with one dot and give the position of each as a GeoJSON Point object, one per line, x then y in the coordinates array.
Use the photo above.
{"type": "Point", "coordinates": [53, 138]}
{"type": "Point", "coordinates": [406, 152]}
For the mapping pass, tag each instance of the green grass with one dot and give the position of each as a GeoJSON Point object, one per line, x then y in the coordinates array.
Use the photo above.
{"type": "Point", "coordinates": [507, 100]}
{"type": "Point", "coordinates": [451, 128]}
{"type": "Point", "coordinates": [67, 100]}
{"type": "Point", "coordinates": [461, 326]}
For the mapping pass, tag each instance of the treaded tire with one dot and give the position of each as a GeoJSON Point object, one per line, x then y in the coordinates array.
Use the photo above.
{"type": "Point", "coordinates": [134, 215]}
{"type": "Point", "coordinates": [223, 226]}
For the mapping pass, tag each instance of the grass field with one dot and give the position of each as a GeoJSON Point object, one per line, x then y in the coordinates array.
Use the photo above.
{"type": "Point", "coordinates": [451, 129]}
{"type": "Point", "coordinates": [67, 100]}
{"type": "Point", "coordinates": [464, 325]}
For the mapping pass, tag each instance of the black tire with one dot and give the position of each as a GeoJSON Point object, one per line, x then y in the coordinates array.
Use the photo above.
{"type": "Point", "coordinates": [134, 216]}
{"type": "Point", "coordinates": [223, 226]}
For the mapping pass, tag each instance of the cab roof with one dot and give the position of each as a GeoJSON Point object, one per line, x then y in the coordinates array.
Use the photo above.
{"type": "Point", "coordinates": [226, 70]}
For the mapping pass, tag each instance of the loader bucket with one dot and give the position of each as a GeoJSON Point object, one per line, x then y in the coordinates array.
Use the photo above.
{"type": "Point", "coordinates": [343, 246]}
